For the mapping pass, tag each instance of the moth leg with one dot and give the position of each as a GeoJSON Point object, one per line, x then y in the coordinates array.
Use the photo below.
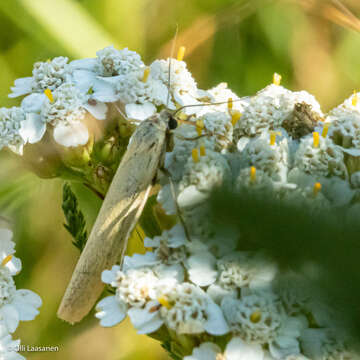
{"type": "Point", "coordinates": [201, 136]}
{"type": "Point", "coordinates": [173, 193]}
{"type": "Point", "coordinates": [192, 138]}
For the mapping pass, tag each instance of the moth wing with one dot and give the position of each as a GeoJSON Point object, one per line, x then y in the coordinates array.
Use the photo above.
{"type": "Point", "coordinates": [117, 217]}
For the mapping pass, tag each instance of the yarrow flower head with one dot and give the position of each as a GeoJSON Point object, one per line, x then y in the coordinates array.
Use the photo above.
{"type": "Point", "coordinates": [10, 129]}
{"type": "Point", "coordinates": [46, 75]}
{"type": "Point", "coordinates": [113, 62]}
{"type": "Point", "coordinates": [15, 305]}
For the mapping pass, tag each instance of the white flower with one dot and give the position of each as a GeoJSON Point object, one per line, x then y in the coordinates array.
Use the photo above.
{"type": "Point", "coordinates": [266, 111]}
{"type": "Point", "coordinates": [221, 93]}
{"type": "Point", "coordinates": [236, 349]}
{"type": "Point", "coordinates": [211, 170]}
{"type": "Point", "coordinates": [170, 246]}
{"type": "Point", "coordinates": [271, 159]}
{"type": "Point", "coordinates": [15, 305]}
{"type": "Point", "coordinates": [256, 317]}
{"type": "Point", "coordinates": [10, 129]}
{"type": "Point", "coordinates": [136, 296]}
{"type": "Point", "coordinates": [182, 85]}
{"type": "Point", "coordinates": [244, 269]}
{"type": "Point", "coordinates": [219, 125]}
{"type": "Point", "coordinates": [175, 161]}
{"type": "Point", "coordinates": [201, 268]}
{"type": "Point", "coordinates": [325, 159]}
{"type": "Point", "coordinates": [344, 127]}
{"type": "Point", "coordinates": [8, 346]}
{"type": "Point", "coordinates": [139, 96]}
{"type": "Point", "coordinates": [91, 85]}
{"type": "Point", "coordinates": [189, 310]}
{"type": "Point", "coordinates": [112, 62]}
{"type": "Point", "coordinates": [140, 111]}
{"type": "Point", "coordinates": [46, 75]}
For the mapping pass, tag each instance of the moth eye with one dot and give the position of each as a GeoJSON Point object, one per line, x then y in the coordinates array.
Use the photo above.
{"type": "Point", "coordinates": [172, 124]}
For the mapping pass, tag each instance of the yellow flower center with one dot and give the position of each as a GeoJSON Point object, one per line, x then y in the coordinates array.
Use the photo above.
{"type": "Point", "coordinates": [49, 95]}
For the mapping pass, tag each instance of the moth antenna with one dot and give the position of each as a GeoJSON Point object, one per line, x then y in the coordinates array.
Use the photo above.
{"type": "Point", "coordinates": [201, 136]}
{"type": "Point", "coordinates": [178, 211]}
{"type": "Point", "coordinates": [169, 69]}
{"type": "Point", "coordinates": [204, 104]}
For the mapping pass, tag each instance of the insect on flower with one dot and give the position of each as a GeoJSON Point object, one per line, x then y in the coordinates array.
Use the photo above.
{"type": "Point", "coordinates": [121, 209]}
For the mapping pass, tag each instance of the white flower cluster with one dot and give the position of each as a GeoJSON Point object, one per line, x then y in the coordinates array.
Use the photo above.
{"type": "Point", "coordinates": [213, 299]}
{"type": "Point", "coordinates": [15, 305]}
{"type": "Point", "coordinates": [62, 97]}
{"type": "Point", "coordinates": [231, 303]}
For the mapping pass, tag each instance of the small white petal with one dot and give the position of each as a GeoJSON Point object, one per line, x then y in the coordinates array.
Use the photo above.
{"type": "Point", "coordinates": [10, 316]}
{"type": "Point", "coordinates": [190, 197]}
{"type": "Point", "coordinates": [216, 323]}
{"type": "Point", "coordinates": [84, 64]}
{"type": "Point", "coordinates": [145, 320]}
{"type": "Point", "coordinates": [176, 236]}
{"type": "Point", "coordinates": [104, 91]}
{"type": "Point", "coordinates": [236, 349]}
{"type": "Point", "coordinates": [139, 260]}
{"type": "Point", "coordinates": [206, 351]}
{"type": "Point", "coordinates": [74, 134]}
{"type": "Point", "coordinates": [201, 268]}
{"type": "Point", "coordinates": [33, 103]}
{"type": "Point", "coordinates": [110, 311]}
{"type": "Point", "coordinates": [22, 86]}
{"type": "Point", "coordinates": [98, 111]}
{"type": "Point", "coordinates": [140, 111]}
{"type": "Point", "coordinates": [175, 272]}
{"type": "Point", "coordinates": [32, 129]}
{"type": "Point", "coordinates": [217, 293]}
{"type": "Point", "coordinates": [108, 276]}
{"type": "Point", "coordinates": [84, 80]}
{"type": "Point", "coordinates": [26, 302]}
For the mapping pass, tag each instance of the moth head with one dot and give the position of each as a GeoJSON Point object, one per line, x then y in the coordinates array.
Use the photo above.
{"type": "Point", "coordinates": [168, 118]}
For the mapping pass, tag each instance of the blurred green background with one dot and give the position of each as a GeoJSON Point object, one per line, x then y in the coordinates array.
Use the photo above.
{"type": "Point", "coordinates": [314, 44]}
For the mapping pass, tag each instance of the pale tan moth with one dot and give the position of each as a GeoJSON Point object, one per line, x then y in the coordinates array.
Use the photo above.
{"type": "Point", "coordinates": [120, 211]}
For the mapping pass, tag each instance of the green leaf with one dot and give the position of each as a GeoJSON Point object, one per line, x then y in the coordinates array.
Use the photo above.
{"type": "Point", "coordinates": [75, 221]}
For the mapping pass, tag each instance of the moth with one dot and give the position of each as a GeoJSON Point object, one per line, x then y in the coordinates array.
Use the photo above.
{"type": "Point", "coordinates": [119, 214]}
{"type": "Point", "coordinates": [120, 211]}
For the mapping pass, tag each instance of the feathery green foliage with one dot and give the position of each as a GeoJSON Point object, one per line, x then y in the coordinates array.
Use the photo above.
{"type": "Point", "coordinates": [75, 221]}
